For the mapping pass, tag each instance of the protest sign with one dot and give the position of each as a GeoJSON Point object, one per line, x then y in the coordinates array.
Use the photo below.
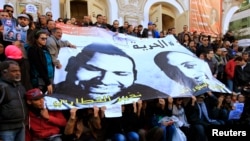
{"type": "Point", "coordinates": [12, 32]}
{"type": "Point", "coordinates": [108, 68]}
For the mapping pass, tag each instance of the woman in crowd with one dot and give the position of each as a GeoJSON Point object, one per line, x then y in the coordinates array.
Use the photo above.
{"type": "Point", "coordinates": [42, 68]}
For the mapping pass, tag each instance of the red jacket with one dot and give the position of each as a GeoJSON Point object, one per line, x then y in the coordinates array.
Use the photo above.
{"type": "Point", "coordinates": [230, 66]}
{"type": "Point", "coordinates": [40, 128]}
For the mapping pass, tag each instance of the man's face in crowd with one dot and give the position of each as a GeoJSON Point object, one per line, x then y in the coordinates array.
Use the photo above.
{"type": "Point", "coordinates": [116, 24]}
{"type": "Point", "coordinates": [130, 28]}
{"type": "Point", "coordinates": [51, 25]}
{"type": "Point", "coordinates": [58, 34]}
{"type": "Point", "coordinates": [205, 41]}
{"type": "Point", "coordinates": [10, 10]}
{"type": "Point", "coordinates": [185, 28]}
{"type": "Point", "coordinates": [235, 43]}
{"type": "Point", "coordinates": [105, 75]}
{"type": "Point", "coordinates": [211, 54]}
{"type": "Point", "coordinates": [49, 15]}
{"type": "Point", "coordinates": [38, 103]}
{"type": "Point", "coordinates": [189, 65]}
{"type": "Point", "coordinates": [240, 63]}
{"type": "Point", "coordinates": [140, 29]}
{"type": "Point", "coordinates": [104, 19]}
{"type": "Point", "coordinates": [43, 20]}
{"type": "Point", "coordinates": [224, 53]}
{"type": "Point", "coordinates": [23, 21]}
{"type": "Point", "coordinates": [227, 44]}
{"type": "Point", "coordinates": [219, 51]}
{"type": "Point", "coordinates": [100, 19]}
{"type": "Point", "coordinates": [5, 15]}
{"type": "Point", "coordinates": [125, 25]}
{"type": "Point", "coordinates": [86, 19]}
{"type": "Point", "coordinates": [13, 73]}
{"type": "Point", "coordinates": [245, 57]}
{"type": "Point", "coordinates": [173, 31]}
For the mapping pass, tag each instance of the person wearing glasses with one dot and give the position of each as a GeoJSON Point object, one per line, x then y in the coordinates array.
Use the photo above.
{"type": "Point", "coordinates": [9, 8]}
{"type": "Point", "coordinates": [59, 20]}
{"type": "Point", "coordinates": [49, 15]}
{"type": "Point", "coordinates": [42, 68]}
{"type": "Point", "coordinates": [204, 46]}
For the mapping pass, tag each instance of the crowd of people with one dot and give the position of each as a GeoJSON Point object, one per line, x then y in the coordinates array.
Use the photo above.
{"type": "Point", "coordinates": [27, 71]}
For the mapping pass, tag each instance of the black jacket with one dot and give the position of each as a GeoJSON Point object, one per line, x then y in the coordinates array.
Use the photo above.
{"type": "Point", "coordinates": [12, 105]}
{"type": "Point", "coordinates": [242, 76]}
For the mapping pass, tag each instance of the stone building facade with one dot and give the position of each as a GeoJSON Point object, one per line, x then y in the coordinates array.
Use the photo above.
{"type": "Point", "coordinates": [165, 13]}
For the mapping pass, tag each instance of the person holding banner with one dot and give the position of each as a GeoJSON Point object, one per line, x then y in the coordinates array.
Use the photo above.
{"type": "Point", "coordinates": [102, 74]}
{"type": "Point", "coordinates": [54, 43]}
{"type": "Point", "coordinates": [192, 73]}
{"type": "Point", "coordinates": [43, 125]}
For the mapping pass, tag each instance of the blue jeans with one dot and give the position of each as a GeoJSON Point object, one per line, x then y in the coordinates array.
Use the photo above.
{"type": "Point", "coordinates": [168, 132]}
{"type": "Point", "coordinates": [13, 135]}
{"type": "Point", "coordinates": [131, 136]}
{"type": "Point", "coordinates": [230, 84]}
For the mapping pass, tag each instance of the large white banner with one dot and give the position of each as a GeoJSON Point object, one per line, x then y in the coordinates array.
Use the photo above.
{"type": "Point", "coordinates": [108, 68]}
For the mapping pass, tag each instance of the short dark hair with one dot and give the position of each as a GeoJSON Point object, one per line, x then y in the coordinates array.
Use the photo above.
{"type": "Point", "coordinates": [238, 58]}
{"type": "Point", "coordinates": [48, 12]}
{"type": "Point", "coordinates": [55, 29]}
{"type": "Point", "coordinates": [6, 64]}
{"type": "Point", "coordinates": [245, 53]}
{"type": "Point", "coordinates": [98, 15]}
{"type": "Point", "coordinates": [140, 25]}
{"type": "Point", "coordinates": [208, 50]}
{"type": "Point", "coordinates": [65, 20]}
{"type": "Point", "coordinates": [49, 21]}
{"type": "Point", "coordinates": [7, 5]}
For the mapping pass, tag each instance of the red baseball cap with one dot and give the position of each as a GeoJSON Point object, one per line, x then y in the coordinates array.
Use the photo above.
{"type": "Point", "coordinates": [34, 94]}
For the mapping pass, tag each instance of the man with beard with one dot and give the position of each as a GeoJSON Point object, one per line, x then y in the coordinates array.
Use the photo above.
{"type": "Point", "coordinates": [23, 25]}
{"type": "Point", "coordinates": [101, 74]}
{"type": "Point", "coordinates": [12, 104]}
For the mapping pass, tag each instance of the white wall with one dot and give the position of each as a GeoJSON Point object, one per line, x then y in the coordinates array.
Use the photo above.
{"type": "Point", "coordinates": [2, 2]}
{"type": "Point", "coordinates": [55, 8]}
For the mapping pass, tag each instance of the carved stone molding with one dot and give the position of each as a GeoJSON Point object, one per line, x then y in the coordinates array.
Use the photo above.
{"type": "Point", "coordinates": [133, 9]}
{"type": "Point", "coordinates": [45, 5]}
